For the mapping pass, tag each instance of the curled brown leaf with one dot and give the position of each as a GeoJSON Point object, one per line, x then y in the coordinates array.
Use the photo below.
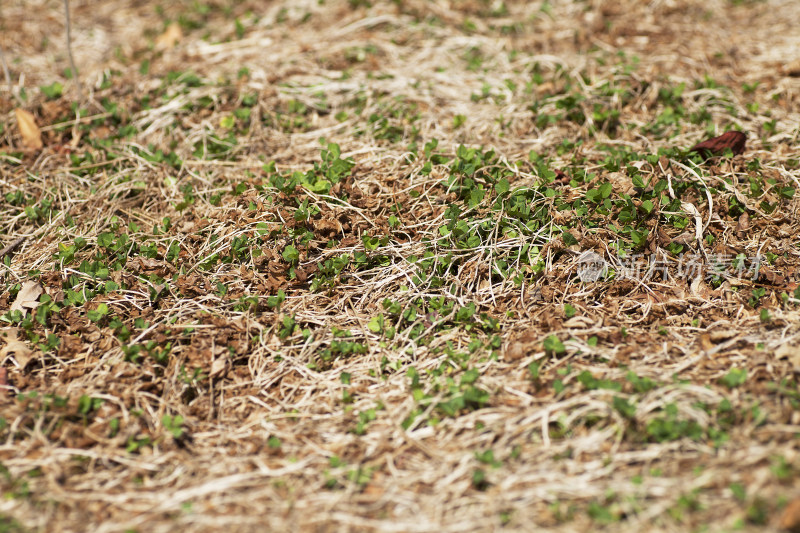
{"type": "Point", "coordinates": [735, 140]}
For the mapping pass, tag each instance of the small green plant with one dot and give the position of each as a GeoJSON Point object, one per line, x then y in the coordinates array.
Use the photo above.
{"type": "Point", "coordinates": [174, 425]}
{"type": "Point", "coordinates": [554, 346]}
{"type": "Point", "coordinates": [53, 90]}
{"type": "Point", "coordinates": [756, 295]}
{"type": "Point", "coordinates": [87, 404]}
{"type": "Point", "coordinates": [734, 378]}
{"type": "Point", "coordinates": [100, 312]}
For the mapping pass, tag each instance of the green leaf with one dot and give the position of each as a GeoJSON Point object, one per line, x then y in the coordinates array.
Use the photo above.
{"type": "Point", "coordinates": [375, 324]}
{"type": "Point", "coordinates": [275, 301]}
{"type": "Point", "coordinates": [553, 345]}
{"type": "Point", "coordinates": [470, 376]}
{"type": "Point", "coordinates": [734, 378]}
{"type": "Point", "coordinates": [291, 254]}
{"type": "Point", "coordinates": [533, 370]}
{"type": "Point", "coordinates": [53, 91]}
{"type": "Point", "coordinates": [227, 122]}
{"type": "Point", "coordinates": [624, 407]}
{"type": "Point", "coordinates": [568, 238]}
{"type": "Point", "coordinates": [84, 405]}
{"type": "Point", "coordinates": [370, 243]}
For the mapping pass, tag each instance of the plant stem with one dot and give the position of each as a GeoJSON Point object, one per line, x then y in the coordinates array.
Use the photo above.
{"type": "Point", "coordinates": [69, 51]}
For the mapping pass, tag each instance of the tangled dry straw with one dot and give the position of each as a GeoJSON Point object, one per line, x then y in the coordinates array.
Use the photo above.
{"type": "Point", "coordinates": [241, 414]}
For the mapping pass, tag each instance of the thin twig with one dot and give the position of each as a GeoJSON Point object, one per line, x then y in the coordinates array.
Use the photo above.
{"type": "Point", "coordinates": [12, 246]}
{"type": "Point", "coordinates": [69, 51]}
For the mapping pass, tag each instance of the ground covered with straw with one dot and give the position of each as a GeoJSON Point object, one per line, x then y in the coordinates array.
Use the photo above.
{"type": "Point", "coordinates": [400, 266]}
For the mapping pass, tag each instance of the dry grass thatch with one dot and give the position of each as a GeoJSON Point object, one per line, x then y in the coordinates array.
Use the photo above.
{"type": "Point", "coordinates": [321, 266]}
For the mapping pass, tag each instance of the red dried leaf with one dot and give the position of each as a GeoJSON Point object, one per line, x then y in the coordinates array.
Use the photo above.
{"type": "Point", "coordinates": [561, 176]}
{"type": "Point", "coordinates": [716, 145]}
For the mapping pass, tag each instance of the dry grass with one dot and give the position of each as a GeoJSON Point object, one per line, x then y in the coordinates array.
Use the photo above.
{"type": "Point", "coordinates": [602, 404]}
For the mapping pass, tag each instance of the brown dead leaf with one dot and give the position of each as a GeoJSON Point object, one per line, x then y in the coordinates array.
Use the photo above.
{"type": "Point", "coordinates": [373, 490]}
{"type": "Point", "coordinates": [685, 238]}
{"type": "Point", "coordinates": [219, 367]}
{"type": "Point", "coordinates": [621, 183]}
{"type": "Point", "coordinates": [171, 36]}
{"type": "Point", "coordinates": [151, 266]}
{"type": "Point", "coordinates": [15, 346]}
{"type": "Point", "coordinates": [27, 297]}
{"type": "Point", "coordinates": [300, 275]}
{"type": "Point", "coordinates": [523, 345]}
{"type": "Point", "coordinates": [31, 135]}
{"type": "Point", "coordinates": [790, 519]}
{"type": "Point", "coordinates": [792, 69]}
{"type": "Point", "coordinates": [790, 353]}
{"type": "Point", "coordinates": [514, 351]}
{"type": "Point", "coordinates": [329, 227]}
{"type": "Point", "coordinates": [743, 225]}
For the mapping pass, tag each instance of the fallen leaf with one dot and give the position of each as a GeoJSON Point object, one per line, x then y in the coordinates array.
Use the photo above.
{"type": "Point", "coordinates": [15, 346]}
{"type": "Point", "coordinates": [218, 367]}
{"type": "Point", "coordinates": [790, 519]}
{"type": "Point", "coordinates": [685, 238]}
{"type": "Point", "coordinates": [171, 36]}
{"type": "Point", "coordinates": [734, 140]}
{"type": "Point", "coordinates": [514, 352]}
{"type": "Point", "coordinates": [27, 297]}
{"type": "Point", "coordinates": [790, 353]}
{"type": "Point", "coordinates": [792, 69]}
{"type": "Point", "coordinates": [300, 275]}
{"type": "Point", "coordinates": [31, 136]}
{"type": "Point", "coordinates": [561, 176]}
{"type": "Point", "coordinates": [743, 225]}
{"type": "Point", "coordinates": [621, 183]}
{"type": "Point", "coordinates": [373, 490]}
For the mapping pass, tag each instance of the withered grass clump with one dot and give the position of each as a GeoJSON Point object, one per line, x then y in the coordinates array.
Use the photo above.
{"type": "Point", "coordinates": [400, 266]}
